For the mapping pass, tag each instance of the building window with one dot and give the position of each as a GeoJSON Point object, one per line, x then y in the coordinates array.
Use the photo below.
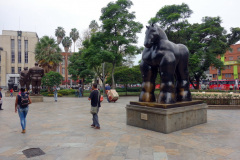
{"type": "Point", "coordinates": [26, 51]}
{"type": "Point", "coordinates": [230, 50]}
{"type": "Point", "coordinates": [228, 67]}
{"type": "Point", "coordinates": [238, 57]}
{"type": "Point", "coordinates": [230, 58]}
{"type": "Point", "coordinates": [213, 68]}
{"type": "Point", "coordinates": [228, 75]}
{"type": "Point", "coordinates": [19, 70]}
{"type": "Point", "coordinates": [13, 70]}
{"type": "Point", "coordinates": [13, 50]}
{"type": "Point", "coordinates": [63, 70]}
{"type": "Point", "coordinates": [19, 51]}
{"type": "Point", "coordinates": [214, 75]}
{"type": "Point", "coordinates": [238, 49]}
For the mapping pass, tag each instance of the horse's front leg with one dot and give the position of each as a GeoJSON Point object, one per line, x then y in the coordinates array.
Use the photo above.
{"type": "Point", "coordinates": [148, 86]}
{"type": "Point", "coordinates": [167, 69]}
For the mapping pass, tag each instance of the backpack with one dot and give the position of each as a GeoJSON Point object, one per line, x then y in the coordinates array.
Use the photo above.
{"type": "Point", "coordinates": [24, 101]}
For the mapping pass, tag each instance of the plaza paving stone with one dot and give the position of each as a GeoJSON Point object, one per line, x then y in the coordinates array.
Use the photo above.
{"type": "Point", "coordinates": [62, 130]}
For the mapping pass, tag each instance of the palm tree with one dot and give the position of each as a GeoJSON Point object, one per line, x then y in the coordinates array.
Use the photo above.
{"type": "Point", "coordinates": [66, 42]}
{"type": "Point", "coordinates": [48, 54]}
{"type": "Point", "coordinates": [59, 33]}
{"type": "Point", "coordinates": [74, 34]}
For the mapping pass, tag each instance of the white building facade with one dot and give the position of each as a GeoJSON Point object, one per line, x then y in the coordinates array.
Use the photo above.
{"type": "Point", "coordinates": [16, 52]}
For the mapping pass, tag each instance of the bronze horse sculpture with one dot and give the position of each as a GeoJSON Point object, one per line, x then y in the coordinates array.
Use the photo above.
{"type": "Point", "coordinates": [171, 61]}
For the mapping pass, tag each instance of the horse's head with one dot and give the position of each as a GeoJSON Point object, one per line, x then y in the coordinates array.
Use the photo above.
{"type": "Point", "coordinates": [151, 36]}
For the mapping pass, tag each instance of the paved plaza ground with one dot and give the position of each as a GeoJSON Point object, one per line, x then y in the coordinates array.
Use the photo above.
{"type": "Point", "coordinates": [62, 130]}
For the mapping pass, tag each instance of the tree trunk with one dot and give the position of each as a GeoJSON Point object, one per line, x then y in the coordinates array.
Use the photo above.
{"type": "Point", "coordinates": [197, 82]}
{"type": "Point", "coordinates": [49, 89]}
{"type": "Point", "coordinates": [113, 82]}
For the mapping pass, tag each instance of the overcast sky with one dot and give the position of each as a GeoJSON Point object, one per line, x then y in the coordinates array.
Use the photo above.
{"type": "Point", "coordinates": [44, 16]}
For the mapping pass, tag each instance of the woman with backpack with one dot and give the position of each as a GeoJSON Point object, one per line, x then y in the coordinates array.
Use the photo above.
{"type": "Point", "coordinates": [21, 105]}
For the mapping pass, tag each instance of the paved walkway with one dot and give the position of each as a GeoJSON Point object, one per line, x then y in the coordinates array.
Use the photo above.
{"type": "Point", "coordinates": [62, 130]}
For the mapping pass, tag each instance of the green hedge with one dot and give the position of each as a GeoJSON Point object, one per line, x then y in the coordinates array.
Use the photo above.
{"type": "Point", "coordinates": [210, 90]}
{"type": "Point", "coordinates": [134, 89]}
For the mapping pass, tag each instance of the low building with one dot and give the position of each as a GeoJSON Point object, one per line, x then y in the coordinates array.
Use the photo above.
{"type": "Point", "coordinates": [16, 52]}
{"type": "Point", "coordinates": [231, 63]}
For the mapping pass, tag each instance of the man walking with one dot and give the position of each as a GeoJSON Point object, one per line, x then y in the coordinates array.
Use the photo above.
{"type": "Point", "coordinates": [21, 105]}
{"type": "Point", "coordinates": [55, 92]}
{"type": "Point", "coordinates": [107, 88]}
{"type": "Point", "coordinates": [95, 104]}
{"type": "Point", "coordinates": [1, 98]}
{"type": "Point", "coordinates": [80, 92]}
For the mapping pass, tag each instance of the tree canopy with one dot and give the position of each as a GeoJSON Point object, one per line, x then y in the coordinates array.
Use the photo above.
{"type": "Point", "coordinates": [119, 32]}
{"type": "Point", "coordinates": [78, 68]}
{"type": "Point", "coordinates": [205, 41]}
{"type": "Point", "coordinates": [51, 78]}
{"type": "Point", "coordinates": [48, 54]}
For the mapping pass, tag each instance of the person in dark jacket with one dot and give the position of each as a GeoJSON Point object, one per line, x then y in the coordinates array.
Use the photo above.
{"type": "Point", "coordinates": [22, 111]}
{"type": "Point", "coordinates": [1, 98]}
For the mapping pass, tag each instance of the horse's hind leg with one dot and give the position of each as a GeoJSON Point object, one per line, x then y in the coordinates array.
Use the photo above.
{"type": "Point", "coordinates": [167, 69]}
{"type": "Point", "coordinates": [148, 86]}
{"type": "Point", "coordinates": [182, 80]}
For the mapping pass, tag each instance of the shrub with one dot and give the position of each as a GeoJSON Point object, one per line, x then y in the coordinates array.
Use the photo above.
{"type": "Point", "coordinates": [43, 90]}
{"type": "Point", "coordinates": [52, 95]}
{"type": "Point", "coordinates": [44, 93]}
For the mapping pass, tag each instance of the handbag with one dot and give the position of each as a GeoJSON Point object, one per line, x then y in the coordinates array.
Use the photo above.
{"type": "Point", "coordinates": [93, 109]}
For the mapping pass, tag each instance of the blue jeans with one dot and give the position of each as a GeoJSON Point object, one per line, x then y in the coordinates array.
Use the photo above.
{"type": "Point", "coordinates": [80, 94]}
{"type": "Point", "coordinates": [95, 119]}
{"type": "Point", "coordinates": [11, 95]}
{"type": "Point", "coordinates": [55, 96]}
{"type": "Point", "coordinates": [22, 112]}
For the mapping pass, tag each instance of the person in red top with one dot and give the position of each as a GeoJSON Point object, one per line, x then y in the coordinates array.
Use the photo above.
{"type": "Point", "coordinates": [11, 93]}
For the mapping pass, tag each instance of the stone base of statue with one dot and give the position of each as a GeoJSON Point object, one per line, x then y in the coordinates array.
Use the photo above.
{"type": "Point", "coordinates": [36, 98]}
{"type": "Point", "coordinates": [8, 93]}
{"type": "Point", "coordinates": [166, 118]}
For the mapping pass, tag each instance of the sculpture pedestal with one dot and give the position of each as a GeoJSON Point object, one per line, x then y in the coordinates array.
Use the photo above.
{"type": "Point", "coordinates": [156, 118]}
{"type": "Point", "coordinates": [36, 98]}
{"type": "Point", "coordinates": [7, 94]}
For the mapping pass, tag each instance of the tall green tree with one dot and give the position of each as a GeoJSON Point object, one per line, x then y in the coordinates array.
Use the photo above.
{"type": "Point", "coordinates": [67, 43]}
{"type": "Point", "coordinates": [48, 54]}
{"type": "Point", "coordinates": [119, 30]}
{"type": "Point", "coordinates": [78, 68]}
{"type": "Point", "coordinates": [93, 26]}
{"type": "Point", "coordinates": [128, 76]}
{"type": "Point", "coordinates": [205, 41]}
{"type": "Point", "coordinates": [59, 33]}
{"type": "Point", "coordinates": [174, 20]}
{"type": "Point", "coordinates": [51, 78]}
{"type": "Point", "coordinates": [74, 34]}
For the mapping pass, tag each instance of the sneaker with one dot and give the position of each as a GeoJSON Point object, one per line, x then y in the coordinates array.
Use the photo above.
{"type": "Point", "coordinates": [93, 126]}
{"type": "Point", "coordinates": [24, 131]}
{"type": "Point", "coordinates": [97, 127]}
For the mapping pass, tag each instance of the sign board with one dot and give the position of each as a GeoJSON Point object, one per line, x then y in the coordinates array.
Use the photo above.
{"type": "Point", "coordinates": [230, 62]}
{"type": "Point", "coordinates": [144, 116]}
